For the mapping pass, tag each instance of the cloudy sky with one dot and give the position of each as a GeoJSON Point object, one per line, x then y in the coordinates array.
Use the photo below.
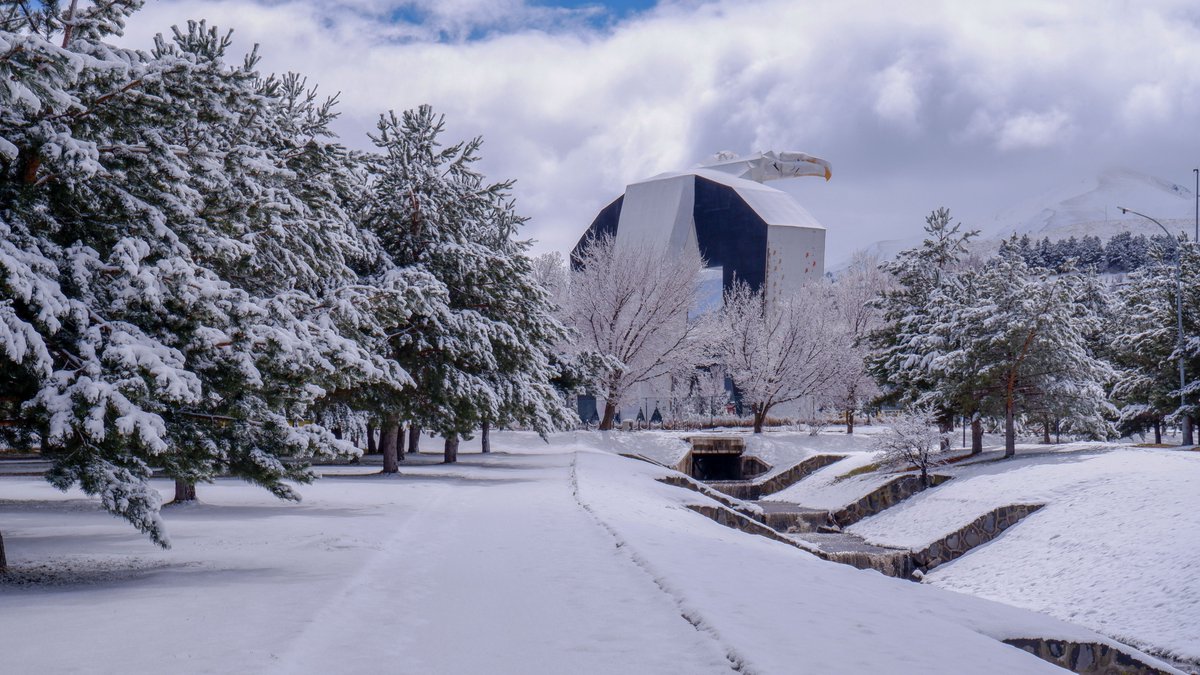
{"type": "Point", "coordinates": [917, 104]}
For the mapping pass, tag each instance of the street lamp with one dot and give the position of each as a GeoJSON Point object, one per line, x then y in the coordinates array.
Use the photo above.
{"type": "Point", "coordinates": [1187, 419]}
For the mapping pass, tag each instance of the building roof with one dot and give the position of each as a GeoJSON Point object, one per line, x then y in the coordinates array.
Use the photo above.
{"type": "Point", "coordinates": [774, 206]}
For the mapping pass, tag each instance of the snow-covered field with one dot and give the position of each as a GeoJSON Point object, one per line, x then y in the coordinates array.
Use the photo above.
{"type": "Point", "coordinates": [541, 558]}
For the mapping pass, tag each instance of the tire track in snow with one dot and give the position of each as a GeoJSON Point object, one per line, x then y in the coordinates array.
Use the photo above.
{"type": "Point", "coordinates": [737, 662]}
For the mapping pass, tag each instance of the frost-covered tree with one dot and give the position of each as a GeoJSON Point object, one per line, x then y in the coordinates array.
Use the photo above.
{"type": "Point", "coordinates": [913, 439]}
{"type": "Point", "coordinates": [855, 292]}
{"type": "Point", "coordinates": [779, 352]}
{"type": "Point", "coordinates": [1002, 340]}
{"type": "Point", "coordinates": [915, 330]}
{"type": "Point", "coordinates": [629, 307]}
{"type": "Point", "coordinates": [481, 355]}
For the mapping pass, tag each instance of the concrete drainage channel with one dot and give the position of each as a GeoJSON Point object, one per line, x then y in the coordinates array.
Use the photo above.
{"type": "Point", "coordinates": [1083, 658]}
{"type": "Point", "coordinates": [819, 532]}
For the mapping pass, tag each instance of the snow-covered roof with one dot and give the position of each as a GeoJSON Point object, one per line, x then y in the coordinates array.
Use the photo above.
{"type": "Point", "coordinates": [774, 206]}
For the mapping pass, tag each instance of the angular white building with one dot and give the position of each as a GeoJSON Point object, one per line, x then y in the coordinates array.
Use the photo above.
{"type": "Point", "coordinates": [742, 228]}
{"type": "Point", "coordinates": [747, 230]}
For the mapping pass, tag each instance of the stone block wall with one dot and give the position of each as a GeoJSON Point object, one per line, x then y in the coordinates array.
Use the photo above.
{"type": "Point", "coordinates": [697, 486]}
{"type": "Point", "coordinates": [797, 473]}
{"type": "Point", "coordinates": [885, 496]}
{"type": "Point", "coordinates": [979, 531]}
{"type": "Point", "coordinates": [1085, 657]}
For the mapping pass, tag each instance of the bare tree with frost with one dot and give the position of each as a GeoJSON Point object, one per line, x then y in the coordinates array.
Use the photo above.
{"type": "Point", "coordinates": [783, 351]}
{"type": "Point", "coordinates": [913, 440]}
{"type": "Point", "coordinates": [854, 296]}
{"type": "Point", "coordinates": [629, 305]}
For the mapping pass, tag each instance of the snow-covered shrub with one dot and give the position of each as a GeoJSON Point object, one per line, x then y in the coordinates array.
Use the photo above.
{"type": "Point", "coordinates": [912, 440]}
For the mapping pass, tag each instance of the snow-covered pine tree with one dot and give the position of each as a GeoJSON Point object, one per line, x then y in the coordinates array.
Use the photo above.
{"type": "Point", "coordinates": [915, 331]}
{"type": "Point", "coordinates": [1025, 336]}
{"type": "Point", "coordinates": [482, 355]}
{"type": "Point", "coordinates": [153, 263]}
{"type": "Point", "coordinates": [1090, 256]}
{"type": "Point", "coordinates": [1144, 344]}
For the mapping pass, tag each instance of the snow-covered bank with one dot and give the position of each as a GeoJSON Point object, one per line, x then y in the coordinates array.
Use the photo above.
{"type": "Point", "coordinates": [779, 609]}
{"type": "Point", "coordinates": [1114, 549]}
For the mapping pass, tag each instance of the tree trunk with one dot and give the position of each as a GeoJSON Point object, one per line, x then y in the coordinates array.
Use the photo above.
{"type": "Point", "coordinates": [1046, 432]}
{"type": "Point", "coordinates": [760, 416]}
{"type": "Point", "coordinates": [610, 413]}
{"type": "Point", "coordinates": [1158, 432]}
{"type": "Point", "coordinates": [371, 447]}
{"type": "Point", "coordinates": [850, 421]}
{"type": "Point", "coordinates": [414, 439]}
{"type": "Point", "coordinates": [184, 492]}
{"type": "Point", "coordinates": [945, 426]}
{"type": "Point", "coordinates": [1010, 430]}
{"type": "Point", "coordinates": [399, 442]}
{"type": "Point", "coordinates": [484, 439]}
{"type": "Point", "coordinates": [3, 560]}
{"type": "Point", "coordinates": [976, 436]}
{"type": "Point", "coordinates": [924, 476]}
{"type": "Point", "coordinates": [1188, 434]}
{"type": "Point", "coordinates": [450, 453]}
{"type": "Point", "coordinates": [387, 445]}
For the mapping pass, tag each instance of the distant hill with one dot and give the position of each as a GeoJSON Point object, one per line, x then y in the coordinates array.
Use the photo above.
{"type": "Point", "coordinates": [1090, 208]}
{"type": "Point", "coordinates": [1085, 208]}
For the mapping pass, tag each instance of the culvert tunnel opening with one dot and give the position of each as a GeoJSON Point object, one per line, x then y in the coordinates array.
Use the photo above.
{"type": "Point", "coordinates": [724, 466]}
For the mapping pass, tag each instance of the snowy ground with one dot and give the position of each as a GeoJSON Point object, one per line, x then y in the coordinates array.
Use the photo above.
{"type": "Point", "coordinates": [554, 558]}
{"type": "Point", "coordinates": [1115, 549]}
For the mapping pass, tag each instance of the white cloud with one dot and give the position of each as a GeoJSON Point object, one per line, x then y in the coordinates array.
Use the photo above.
{"type": "Point", "coordinates": [897, 100]}
{"type": "Point", "coordinates": [574, 112]}
{"type": "Point", "coordinates": [1147, 103]}
{"type": "Point", "coordinates": [1034, 130]}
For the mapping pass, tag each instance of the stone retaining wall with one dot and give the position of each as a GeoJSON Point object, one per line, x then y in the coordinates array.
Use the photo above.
{"type": "Point", "coordinates": [789, 477]}
{"type": "Point", "coordinates": [979, 531]}
{"type": "Point", "coordinates": [898, 564]}
{"type": "Point", "coordinates": [678, 480]}
{"type": "Point", "coordinates": [740, 521]}
{"type": "Point", "coordinates": [1085, 657]}
{"type": "Point", "coordinates": [753, 467]}
{"type": "Point", "coordinates": [796, 521]}
{"type": "Point", "coordinates": [885, 496]}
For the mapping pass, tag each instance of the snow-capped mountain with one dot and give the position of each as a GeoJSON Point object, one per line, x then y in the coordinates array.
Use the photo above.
{"type": "Point", "coordinates": [1091, 208]}
{"type": "Point", "coordinates": [1085, 208]}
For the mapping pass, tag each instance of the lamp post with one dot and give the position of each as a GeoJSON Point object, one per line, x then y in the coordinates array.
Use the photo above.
{"type": "Point", "coordinates": [1187, 419]}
